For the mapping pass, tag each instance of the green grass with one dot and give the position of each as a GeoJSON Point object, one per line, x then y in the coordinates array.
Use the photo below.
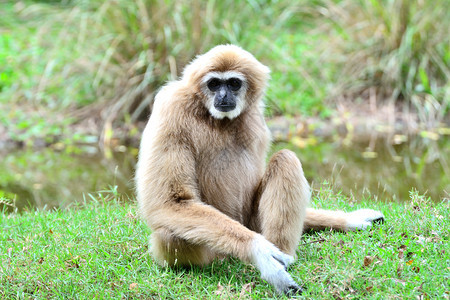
{"type": "Point", "coordinates": [99, 250]}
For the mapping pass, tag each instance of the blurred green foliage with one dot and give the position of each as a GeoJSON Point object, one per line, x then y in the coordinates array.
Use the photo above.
{"type": "Point", "coordinates": [105, 60]}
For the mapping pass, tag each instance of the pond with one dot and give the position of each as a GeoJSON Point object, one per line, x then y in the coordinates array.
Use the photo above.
{"type": "Point", "coordinates": [382, 170]}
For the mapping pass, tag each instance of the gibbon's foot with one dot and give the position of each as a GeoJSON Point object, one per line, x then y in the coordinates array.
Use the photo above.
{"type": "Point", "coordinates": [363, 218]}
{"type": "Point", "coordinates": [272, 263]}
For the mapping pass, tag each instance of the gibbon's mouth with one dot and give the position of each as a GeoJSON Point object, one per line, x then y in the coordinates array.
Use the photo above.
{"type": "Point", "coordinates": [225, 108]}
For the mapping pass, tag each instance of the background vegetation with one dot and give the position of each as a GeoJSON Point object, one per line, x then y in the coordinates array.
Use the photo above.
{"type": "Point", "coordinates": [80, 71]}
{"type": "Point", "coordinates": [99, 63]}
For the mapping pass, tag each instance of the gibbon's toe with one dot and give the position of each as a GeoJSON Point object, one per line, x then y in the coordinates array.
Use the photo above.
{"type": "Point", "coordinates": [379, 220]}
{"type": "Point", "coordinates": [373, 216]}
{"type": "Point", "coordinates": [293, 290]}
{"type": "Point", "coordinates": [363, 218]}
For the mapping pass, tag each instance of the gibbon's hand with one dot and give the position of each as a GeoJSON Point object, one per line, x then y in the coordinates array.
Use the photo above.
{"type": "Point", "coordinates": [363, 218]}
{"type": "Point", "coordinates": [272, 263]}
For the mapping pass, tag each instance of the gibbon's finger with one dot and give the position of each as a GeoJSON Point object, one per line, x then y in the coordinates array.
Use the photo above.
{"type": "Point", "coordinates": [272, 263]}
{"type": "Point", "coordinates": [275, 274]}
{"type": "Point", "coordinates": [262, 246]}
{"type": "Point", "coordinates": [282, 258]}
{"type": "Point", "coordinates": [363, 218]}
{"type": "Point", "coordinates": [281, 262]}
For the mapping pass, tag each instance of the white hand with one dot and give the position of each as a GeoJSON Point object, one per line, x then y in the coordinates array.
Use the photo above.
{"type": "Point", "coordinates": [272, 264]}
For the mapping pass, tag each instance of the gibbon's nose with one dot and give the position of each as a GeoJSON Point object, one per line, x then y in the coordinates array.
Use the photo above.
{"type": "Point", "coordinates": [224, 101]}
{"type": "Point", "coordinates": [222, 93]}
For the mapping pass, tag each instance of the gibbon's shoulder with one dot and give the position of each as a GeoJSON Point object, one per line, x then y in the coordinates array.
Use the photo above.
{"type": "Point", "coordinates": [169, 93]}
{"type": "Point", "coordinates": [170, 100]}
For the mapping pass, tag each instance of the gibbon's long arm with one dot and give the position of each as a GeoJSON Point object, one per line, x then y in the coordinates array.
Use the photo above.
{"type": "Point", "coordinates": [170, 200]}
{"type": "Point", "coordinates": [202, 224]}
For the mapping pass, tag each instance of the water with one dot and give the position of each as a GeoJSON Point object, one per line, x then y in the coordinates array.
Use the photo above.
{"type": "Point", "coordinates": [48, 178]}
{"type": "Point", "coordinates": [381, 170]}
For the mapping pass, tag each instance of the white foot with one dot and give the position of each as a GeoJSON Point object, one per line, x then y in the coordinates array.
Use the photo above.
{"type": "Point", "coordinates": [272, 264]}
{"type": "Point", "coordinates": [363, 218]}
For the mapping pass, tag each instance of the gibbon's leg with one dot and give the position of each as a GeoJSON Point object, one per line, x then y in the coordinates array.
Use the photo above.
{"type": "Point", "coordinates": [281, 204]}
{"type": "Point", "coordinates": [281, 201]}
{"type": "Point", "coordinates": [319, 219]}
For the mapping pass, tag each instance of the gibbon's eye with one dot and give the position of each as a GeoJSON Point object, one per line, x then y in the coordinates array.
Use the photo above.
{"type": "Point", "coordinates": [234, 84]}
{"type": "Point", "coordinates": [214, 84]}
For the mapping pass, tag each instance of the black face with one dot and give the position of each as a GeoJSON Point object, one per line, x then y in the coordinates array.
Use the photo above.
{"type": "Point", "coordinates": [225, 92]}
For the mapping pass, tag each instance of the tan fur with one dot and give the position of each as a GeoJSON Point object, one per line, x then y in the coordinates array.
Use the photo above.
{"type": "Point", "coordinates": [202, 183]}
{"type": "Point", "coordinates": [319, 219]}
{"type": "Point", "coordinates": [197, 176]}
{"type": "Point", "coordinates": [281, 201]}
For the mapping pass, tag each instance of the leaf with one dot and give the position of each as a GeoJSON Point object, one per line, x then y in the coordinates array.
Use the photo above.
{"type": "Point", "coordinates": [134, 286]}
{"type": "Point", "coordinates": [402, 282]}
{"type": "Point", "coordinates": [399, 270]}
{"type": "Point", "coordinates": [247, 288]}
{"type": "Point", "coordinates": [369, 154]}
{"type": "Point", "coordinates": [219, 289]}
{"type": "Point", "coordinates": [70, 264]}
{"type": "Point", "coordinates": [299, 142]}
{"type": "Point", "coordinates": [430, 135]}
{"type": "Point", "coordinates": [368, 260]}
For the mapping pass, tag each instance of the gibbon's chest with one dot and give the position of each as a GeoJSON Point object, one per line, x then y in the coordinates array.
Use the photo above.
{"type": "Point", "coordinates": [227, 179]}
{"type": "Point", "coordinates": [229, 167]}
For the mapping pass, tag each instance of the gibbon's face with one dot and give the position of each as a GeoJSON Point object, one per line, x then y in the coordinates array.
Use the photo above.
{"type": "Point", "coordinates": [225, 93]}
{"type": "Point", "coordinates": [229, 78]}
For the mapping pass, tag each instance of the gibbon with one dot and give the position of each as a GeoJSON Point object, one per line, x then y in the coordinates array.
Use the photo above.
{"type": "Point", "coordinates": [203, 185]}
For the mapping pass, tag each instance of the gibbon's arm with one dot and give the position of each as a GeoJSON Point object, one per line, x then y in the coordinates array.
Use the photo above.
{"type": "Point", "coordinates": [169, 201]}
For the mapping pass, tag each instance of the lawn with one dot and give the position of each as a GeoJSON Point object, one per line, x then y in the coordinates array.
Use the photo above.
{"type": "Point", "coordinates": [99, 249]}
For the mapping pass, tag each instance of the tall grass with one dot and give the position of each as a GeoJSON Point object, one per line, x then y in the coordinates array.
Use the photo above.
{"type": "Point", "coordinates": [400, 50]}
{"type": "Point", "coordinates": [114, 55]}
{"type": "Point", "coordinates": [105, 60]}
